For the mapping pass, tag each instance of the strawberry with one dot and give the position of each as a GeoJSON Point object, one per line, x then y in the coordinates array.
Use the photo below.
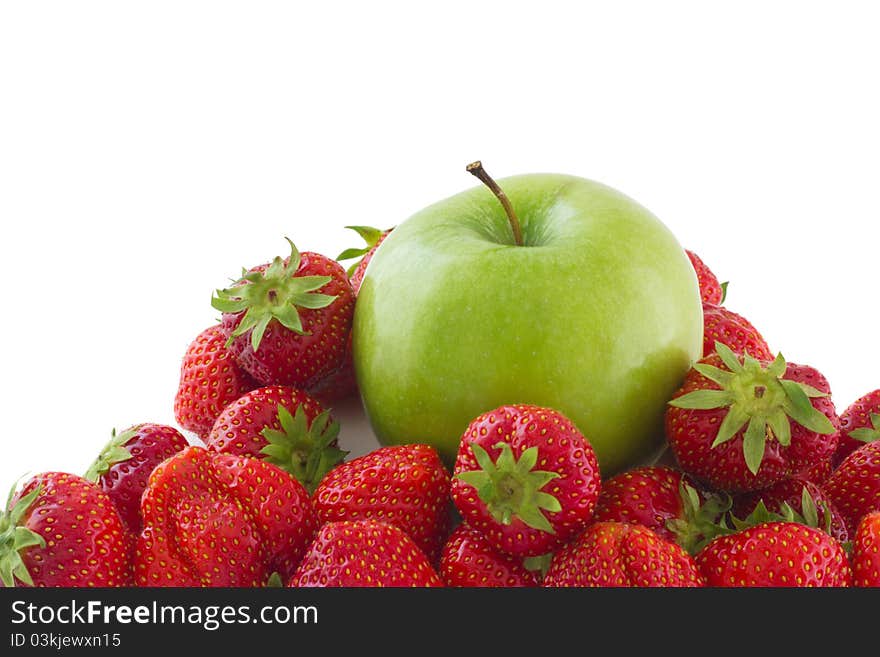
{"type": "Point", "coordinates": [803, 500]}
{"type": "Point", "coordinates": [341, 383]}
{"type": "Point", "coordinates": [775, 554]}
{"type": "Point", "coordinates": [663, 500]}
{"type": "Point", "coordinates": [622, 554]}
{"type": "Point", "coordinates": [855, 486]}
{"type": "Point", "coordinates": [364, 553]}
{"type": "Point", "coordinates": [124, 465]}
{"type": "Point", "coordinates": [526, 478]}
{"type": "Point", "coordinates": [287, 322]}
{"type": "Point", "coordinates": [866, 552]}
{"type": "Point", "coordinates": [373, 238]}
{"type": "Point", "coordinates": [818, 472]}
{"type": "Point", "coordinates": [221, 520]}
{"type": "Point", "coordinates": [209, 380]}
{"type": "Point", "coordinates": [710, 289]}
{"type": "Point", "coordinates": [61, 530]}
{"type": "Point", "coordinates": [859, 424]}
{"type": "Point", "coordinates": [740, 424]}
{"type": "Point", "coordinates": [468, 560]}
{"type": "Point", "coordinates": [735, 331]}
{"type": "Point", "coordinates": [283, 426]}
{"type": "Point", "coordinates": [403, 485]}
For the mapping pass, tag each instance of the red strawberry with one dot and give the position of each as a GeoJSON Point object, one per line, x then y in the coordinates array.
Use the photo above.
{"type": "Point", "coordinates": [364, 553]}
{"type": "Point", "coordinates": [209, 380]}
{"type": "Point", "coordinates": [866, 552]}
{"type": "Point", "coordinates": [125, 464]}
{"type": "Point", "coordinates": [526, 478]}
{"type": "Point", "coordinates": [735, 331]}
{"type": "Point", "coordinates": [775, 554]}
{"type": "Point", "coordinates": [340, 383]}
{"type": "Point", "coordinates": [662, 499]}
{"type": "Point", "coordinates": [221, 520]}
{"type": "Point", "coordinates": [859, 424]}
{"type": "Point", "coordinates": [818, 472]}
{"type": "Point", "coordinates": [803, 500]}
{"type": "Point", "coordinates": [283, 426]}
{"type": "Point", "coordinates": [739, 424]}
{"type": "Point", "coordinates": [403, 485]}
{"type": "Point", "coordinates": [373, 238]}
{"type": "Point", "coordinates": [710, 289]}
{"type": "Point", "coordinates": [855, 486]}
{"type": "Point", "coordinates": [61, 530]}
{"type": "Point", "coordinates": [280, 328]}
{"type": "Point", "coordinates": [622, 554]}
{"type": "Point", "coordinates": [469, 560]}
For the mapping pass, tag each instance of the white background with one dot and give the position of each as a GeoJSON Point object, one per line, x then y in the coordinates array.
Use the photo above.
{"type": "Point", "coordinates": [150, 150]}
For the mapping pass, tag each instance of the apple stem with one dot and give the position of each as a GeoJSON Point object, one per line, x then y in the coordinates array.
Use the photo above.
{"type": "Point", "coordinates": [476, 169]}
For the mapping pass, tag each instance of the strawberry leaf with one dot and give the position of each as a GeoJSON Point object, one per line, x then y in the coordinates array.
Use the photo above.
{"type": "Point", "coordinates": [799, 408]}
{"type": "Point", "coordinates": [15, 537]}
{"type": "Point", "coordinates": [728, 357]}
{"type": "Point", "coordinates": [369, 234]}
{"type": "Point", "coordinates": [779, 425]}
{"type": "Point", "coordinates": [731, 424]}
{"type": "Point", "coordinates": [113, 452]}
{"type": "Point", "coordinates": [539, 564]}
{"type": "Point", "coordinates": [306, 450]}
{"type": "Point", "coordinates": [808, 508]}
{"type": "Point", "coordinates": [754, 442]}
{"type": "Point", "coordinates": [479, 479]}
{"type": "Point", "coordinates": [702, 521]}
{"type": "Point", "coordinates": [808, 515]}
{"type": "Point", "coordinates": [867, 434]}
{"type": "Point", "coordinates": [534, 519]}
{"type": "Point", "coordinates": [371, 237]}
{"type": "Point", "coordinates": [719, 376]}
{"type": "Point", "coordinates": [510, 487]}
{"type": "Point", "coordinates": [348, 254]}
{"type": "Point", "coordinates": [703, 399]}
{"type": "Point", "coordinates": [777, 368]}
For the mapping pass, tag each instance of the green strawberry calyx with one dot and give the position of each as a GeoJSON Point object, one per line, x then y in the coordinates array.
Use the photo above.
{"type": "Point", "coordinates": [703, 518]}
{"type": "Point", "coordinates": [274, 294]}
{"type": "Point", "coordinates": [306, 450]}
{"type": "Point", "coordinates": [114, 452]}
{"type": "Point", "coordinates": [757, 398]}
{"type": "Point", "coordinates": [539, 564]}
{"type": "Point", "coordinates": [15, 537]}
{"type": "Point", "coordinates": [808, 515]}
{"type": "Point", "coordinates": [371, 237]}
{"type": "Point", "coordinates": [868, 434]}
{"type": "Point", "coordinates": [512, 489]}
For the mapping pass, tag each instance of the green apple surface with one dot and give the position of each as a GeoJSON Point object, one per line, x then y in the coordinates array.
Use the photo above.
{"type": "Point", "coordinates": [597, 315]}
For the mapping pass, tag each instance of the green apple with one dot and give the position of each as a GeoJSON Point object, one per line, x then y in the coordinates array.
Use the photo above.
{"type": "Point", "coordinates": [596, 313]}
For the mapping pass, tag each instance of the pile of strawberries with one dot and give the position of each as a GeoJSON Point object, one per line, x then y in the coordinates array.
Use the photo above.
{"type": "Point", "coordinates": [763, 483]}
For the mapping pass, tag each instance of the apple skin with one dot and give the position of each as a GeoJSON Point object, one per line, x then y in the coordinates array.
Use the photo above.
{"type": "Point", "coordinates": [597, 315]}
